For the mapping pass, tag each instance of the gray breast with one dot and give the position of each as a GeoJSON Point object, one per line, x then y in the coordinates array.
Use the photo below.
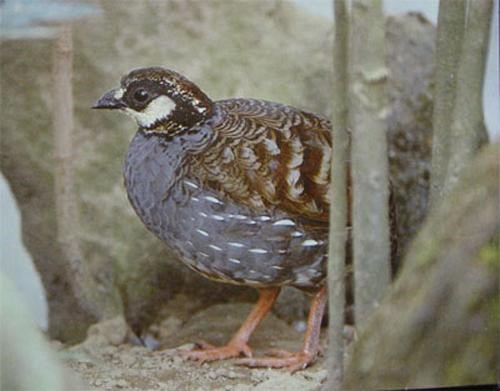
{"type": "Point", "coordinates": [212, 235]}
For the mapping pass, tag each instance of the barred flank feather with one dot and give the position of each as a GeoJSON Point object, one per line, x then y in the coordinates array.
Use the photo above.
{"type": "Point", "coordinates": [268, 155]}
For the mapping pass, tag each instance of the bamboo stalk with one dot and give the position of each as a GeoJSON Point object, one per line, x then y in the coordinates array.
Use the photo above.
{"type": "Point", "coordinates": [64, 177]}
{"type": "Point", "coordinates": [468, 131]}
{"type": "Point", "coordinates": [339, 203]}
{"type": "Point", "coordinates": [450, 32]}
{"type": "Point", "coordinates": [367, 117]}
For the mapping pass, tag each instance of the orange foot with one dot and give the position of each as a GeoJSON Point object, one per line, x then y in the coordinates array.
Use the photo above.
{"type": "Point", "coordinates": [208, 352]}
{"type": "Point", "coordinates": [293, 362]}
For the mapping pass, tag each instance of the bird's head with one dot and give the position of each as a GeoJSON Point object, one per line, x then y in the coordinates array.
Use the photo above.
{"type": "Point", "coordinates": [160, 100]}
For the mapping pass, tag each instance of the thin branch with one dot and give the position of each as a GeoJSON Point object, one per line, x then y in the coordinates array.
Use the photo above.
{"type": "Point", "coordinates": [468, 131]}
{"type": "Point", "coordinates": [66, 206]}
{"type": "Point", "coordinates": [367, 117]}
{"type": "Point", "coordinates": [64, 154]}
{"type": "Point", "coordinates": [450, 32]}
{"type": "Point", "coordinates": [339, 204]}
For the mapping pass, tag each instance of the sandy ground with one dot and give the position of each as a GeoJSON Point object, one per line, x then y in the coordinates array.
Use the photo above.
{"type": "Point", "coordinates": [104, 363]}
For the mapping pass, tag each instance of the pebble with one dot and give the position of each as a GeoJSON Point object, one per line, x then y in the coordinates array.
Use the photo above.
{"type": "Point", "coordinates": [177, 360]}
{"type": "Point", "coordinates": [84, 366]}
{"type": "Point", "coordinates": [128, 360]}
{"type": "Point", "coordinates": [322, 374]}
{"type": "Point", "coordinates": [187, 346]}
{"type": "Point", "coordinates": [121, 383]}
{"type": "Point", "coordinates": [138, 350]}
{"type": "Point", "coordinates": [231, 375]}
{"type": "Point", "coordinates": [56, 345]}
{"type": "Point", "coordinates": [212, 375]}
{"type": "Point", "coordinates": [110, 350]}
{"type": "Point", "coordinates": [260, 374]}
{"type": "Point", "coordinates": [150, 342]}
{"type": "Point", "coordinates": [299, 326]}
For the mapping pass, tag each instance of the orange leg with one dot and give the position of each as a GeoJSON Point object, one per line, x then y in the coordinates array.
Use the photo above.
{"type": "Point", "coordinates": [299, 360]}
{"type": "Point", "coordinates": [238, 344]}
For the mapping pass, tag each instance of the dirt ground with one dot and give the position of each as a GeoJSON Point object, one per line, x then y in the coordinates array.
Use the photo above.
{"type": "Point", "coordinates": [104, 362]}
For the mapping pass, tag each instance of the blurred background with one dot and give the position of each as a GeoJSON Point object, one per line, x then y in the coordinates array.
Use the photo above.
{"type": "Point", "coordinates": [16, 261]}
{"type": "Point", "coordinates": [269, 49]}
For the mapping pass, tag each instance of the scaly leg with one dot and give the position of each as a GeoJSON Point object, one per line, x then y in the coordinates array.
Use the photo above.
{"type": "Point", "coordinates": [238, 344]}
{"type": "Point", "coordinates": [298, 360]}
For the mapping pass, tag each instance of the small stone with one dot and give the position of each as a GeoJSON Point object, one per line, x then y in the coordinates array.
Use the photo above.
{"type": "Point", "coordinates": [231, 375]}
{"type": "Point", "coordinates": [121, 383]}
{"type": "Point", "coordinates": [260, 375]}
{"type": "Point", "coordinates": [150, 342]}
{"type": "Point", "coordinates": [212, 375]}
{"type": "Point", "coordinates": [154, 329]}
{"type": "Point", "coordinates": [187, 346]}
{"type": "Point", "coordinates": [321, 375]}
{"type": "Point", "coordinates": [128, 360]}
{"type": "Point", "coordinates": [109, 350]}
{"type": "Point", "coordinates": [299, 326]}
{"type": "Point", "coordinates": [170, 325]}
{"type": "Point", "coordinates": [177, 360]}
{"type": "Point", "coordinates": [56, 345]}
{"type": "Point", "coordinates": [112, 331]}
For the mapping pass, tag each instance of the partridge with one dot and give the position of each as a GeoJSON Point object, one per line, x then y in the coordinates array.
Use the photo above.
{"type": "Point", "coordinates": [238, 189]}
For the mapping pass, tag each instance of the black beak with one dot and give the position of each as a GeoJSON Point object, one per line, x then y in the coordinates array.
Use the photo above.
{"type": "Point", "coordinates": [109, 101]}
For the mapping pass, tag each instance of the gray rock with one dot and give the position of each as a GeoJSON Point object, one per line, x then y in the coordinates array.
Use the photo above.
{"type": "Point", "coordinates": [267, 50]}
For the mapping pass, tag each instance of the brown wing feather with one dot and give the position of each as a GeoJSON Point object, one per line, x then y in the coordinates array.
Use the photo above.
{"type": "Point", "coordinates": [270, 156]}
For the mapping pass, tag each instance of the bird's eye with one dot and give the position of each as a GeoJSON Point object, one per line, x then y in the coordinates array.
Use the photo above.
{"type": "Point", "coordinates": [141, 95]}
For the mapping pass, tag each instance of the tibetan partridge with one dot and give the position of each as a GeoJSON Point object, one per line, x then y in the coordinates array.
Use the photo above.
{"type": "Point", "coordinates": [238, 189]}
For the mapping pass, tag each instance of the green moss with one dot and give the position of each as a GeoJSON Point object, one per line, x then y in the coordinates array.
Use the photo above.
{"type": "Point", "coordinates": [428, 251]}
{"type": "Point", "coordinates": [464, 366]}
{"type": "Point", "coordinates": [426, 106]}
{"type": "Point", "coordinates": [490, 254]}
{"type": "Point", "coordinates": [455, 372]}
{"type": "Point", "coordinates": [493, 311]}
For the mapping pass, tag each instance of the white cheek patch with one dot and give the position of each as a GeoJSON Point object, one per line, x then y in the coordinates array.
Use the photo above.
{"type": "Point", "coordinates": [158, 109]}
{"type": "Point", "coordinates": [119, 93]}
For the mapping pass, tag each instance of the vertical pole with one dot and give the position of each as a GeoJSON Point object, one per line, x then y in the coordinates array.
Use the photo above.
{"type": "Point", "coordinates": [367, 117]}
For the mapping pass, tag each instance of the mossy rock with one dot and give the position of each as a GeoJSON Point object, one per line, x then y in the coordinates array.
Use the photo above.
{"type": "Point", "coordinates": [439, 324]}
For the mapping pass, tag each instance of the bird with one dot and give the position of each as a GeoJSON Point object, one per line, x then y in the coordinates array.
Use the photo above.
{"type": "Point", "coordinates": [238, 189]}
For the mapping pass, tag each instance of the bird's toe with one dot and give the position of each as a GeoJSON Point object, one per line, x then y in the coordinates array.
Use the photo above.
{"type": "Point", "coordinates": [208, 352]}
{"type": "Point", "coordinates": [292, 362]}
